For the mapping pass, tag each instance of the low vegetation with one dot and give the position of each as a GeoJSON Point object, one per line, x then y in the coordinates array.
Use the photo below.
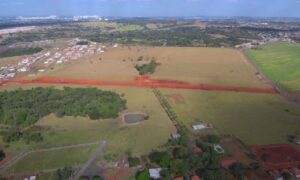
{"type": "Point", "coordinates": [19, 51]}
{"type": "Point", "coordinates": [25, 107]}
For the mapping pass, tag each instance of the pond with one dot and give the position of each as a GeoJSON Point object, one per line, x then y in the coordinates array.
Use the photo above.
{"type": "Point", "coordinates": [133, 118]}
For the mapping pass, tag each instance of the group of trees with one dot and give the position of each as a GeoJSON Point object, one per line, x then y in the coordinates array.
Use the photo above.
{"type": "Point", "coordinates": [19, 51]}
{"type": "Point", "coordinates": [181, 160]}
{"type": "Point", "coordinates": [146, 68]}
{"type": "Point", "coordinates": [2, 155]}
{"type": "Point", "coordinates": [15, 134]}
{"type": "Point", "coordinates": [25, 107]}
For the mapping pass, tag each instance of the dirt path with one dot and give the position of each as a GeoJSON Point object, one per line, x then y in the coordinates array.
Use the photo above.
{"type": "Point", "coordinates": [90, 161]}
{"type": "Point", "coordinates": [144, 81]}
{"type": "Point", "coordinates": [292, 98]}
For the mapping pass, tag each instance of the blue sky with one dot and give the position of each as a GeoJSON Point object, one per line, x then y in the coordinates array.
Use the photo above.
{"type": "Point", "coordinates": [137, 8]}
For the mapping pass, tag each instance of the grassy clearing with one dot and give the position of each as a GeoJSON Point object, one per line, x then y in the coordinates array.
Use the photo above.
{"type": "Point", "coordinates": [53, 159]}
{"type": "Point", "coordinates": [138, 138]}
{"type": "Point", "coordinates": [254, 118]}
{"type": "Point", "coordinates": [280, 62]}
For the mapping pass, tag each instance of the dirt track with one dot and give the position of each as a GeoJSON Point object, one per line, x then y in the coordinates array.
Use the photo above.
{"type": "Point", "coordinates": [143, 81]}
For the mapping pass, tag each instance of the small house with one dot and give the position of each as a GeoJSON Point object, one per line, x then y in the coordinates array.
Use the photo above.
{"type": "Point", "coordinates": [175, 136]}
{"type": "Point", "coordinates": [155, 173]}
{"type": "Point", "coordinates": [11, 75]}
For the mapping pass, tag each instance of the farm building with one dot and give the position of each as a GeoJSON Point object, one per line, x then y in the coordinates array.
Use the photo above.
{"type": "Point", "coordinates": [201, 126]}
{"type": "Point", "coordinates": [155, 173]}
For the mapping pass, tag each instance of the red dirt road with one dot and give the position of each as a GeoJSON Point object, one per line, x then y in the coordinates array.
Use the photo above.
{"type": "Point", "coordinates": [143, 81]}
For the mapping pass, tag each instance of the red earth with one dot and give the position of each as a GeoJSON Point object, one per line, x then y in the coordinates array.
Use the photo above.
{"type": "Point", "coordinates": [143, 81]}
{"type": "Point", "coordinates": [277, 156]}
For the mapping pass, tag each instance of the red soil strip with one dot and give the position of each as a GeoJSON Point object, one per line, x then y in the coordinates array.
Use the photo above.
{"type": "Point", "coordinates": [143, 81]}
{"type": "Point", "coordinates": [278, 156]}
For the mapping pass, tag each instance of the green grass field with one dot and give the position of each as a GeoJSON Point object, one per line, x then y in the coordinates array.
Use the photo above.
{"type": "Point", "coordinates": [53, 159]}
{"type": "Point", "coordinates": [280, 62]}
{"type": "Point", "coordinates": [254, 118]}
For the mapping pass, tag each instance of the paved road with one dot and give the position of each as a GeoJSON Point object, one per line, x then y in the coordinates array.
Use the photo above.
{"type": "Point", "coordinates": [92, 159]}
{"type": "Point", "coordinates": [24, 153]}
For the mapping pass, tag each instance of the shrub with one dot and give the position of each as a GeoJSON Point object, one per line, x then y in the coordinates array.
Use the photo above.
{"type": "Point", "coordinates": [161, 158]}
{"type": "Point", "coordinates": [134, 161]}
{"type": "Point", "coordinates": [143, 175]}
{"type": "Point", "coordinates": [213, 139]}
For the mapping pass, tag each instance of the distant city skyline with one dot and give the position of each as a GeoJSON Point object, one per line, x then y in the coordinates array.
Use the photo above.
{"type": "Point", "coordinates": [151, 8]}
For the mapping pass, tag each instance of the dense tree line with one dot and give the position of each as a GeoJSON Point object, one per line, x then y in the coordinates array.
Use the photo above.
{"type": "Point", "coordinates": [25, 107]}
{"type": "Point", "coordinates": [19, 51]}
{"type": "Point", "coordinates": [171, 34]}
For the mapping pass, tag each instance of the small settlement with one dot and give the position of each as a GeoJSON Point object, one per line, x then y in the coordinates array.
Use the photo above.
{"type": "Point", "coordinates": [42, 61]}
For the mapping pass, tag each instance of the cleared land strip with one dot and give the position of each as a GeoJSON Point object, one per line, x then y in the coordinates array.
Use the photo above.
{"type": "Point", "coordinates": [145, 81]}
{"type": "Point", "coordinates": [24, 153]}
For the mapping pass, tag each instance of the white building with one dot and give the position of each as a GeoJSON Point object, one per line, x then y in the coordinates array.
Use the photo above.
{"type": "Point", "coordinates": [11, 75]}
{"type": "Point", "coordinates": [201, 126]}
{"type": "Point", "coordinates": [23, 69]}
{"type": "Point", "coordinates": [175, 136]}
{"type": "Point", "coordinates": [47, 54]}
{"type": "Point", "coordinates": [155, 173]}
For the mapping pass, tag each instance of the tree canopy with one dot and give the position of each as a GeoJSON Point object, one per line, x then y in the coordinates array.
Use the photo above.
{"type": "Point", "coordinates": [25, 107]}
